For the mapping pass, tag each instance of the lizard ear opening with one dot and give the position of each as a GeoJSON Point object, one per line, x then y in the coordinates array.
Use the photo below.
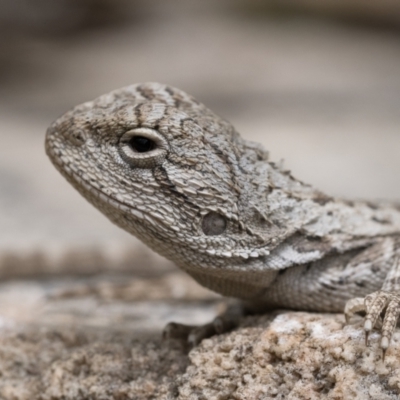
{"type": "Point", "coordinates": [143, 147]}
{"type": "Point", "coordinates": [213, 224]}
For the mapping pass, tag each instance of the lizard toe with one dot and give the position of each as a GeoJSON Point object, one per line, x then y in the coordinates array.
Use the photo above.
{"type": "Point", "coordinates": [352, 307]}
{"type": "Point", "coordinates": [374, 303]}
{"type": "Point", "coordinates": [389, 322]}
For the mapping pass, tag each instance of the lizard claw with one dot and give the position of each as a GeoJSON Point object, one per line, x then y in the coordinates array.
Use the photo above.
{"type": "Point", "coordinates": [366, 339]}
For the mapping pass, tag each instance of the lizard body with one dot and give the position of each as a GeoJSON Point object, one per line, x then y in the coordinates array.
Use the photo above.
{"type": "Point", "coordinates": [162, 166]}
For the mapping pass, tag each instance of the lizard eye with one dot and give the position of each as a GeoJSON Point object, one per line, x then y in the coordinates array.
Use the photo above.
{"type": "Point", "coordinates": [143, 147]}
{"type": "Point", "coordinates": [213, 224]}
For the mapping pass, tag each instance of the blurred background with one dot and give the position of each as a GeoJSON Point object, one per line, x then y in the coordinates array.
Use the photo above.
{"type": "Point", "coordinates": [316, 81]}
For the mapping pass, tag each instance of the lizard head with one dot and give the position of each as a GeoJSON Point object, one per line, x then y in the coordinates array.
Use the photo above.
{"type": "Point", "coordinates": [165, 168]}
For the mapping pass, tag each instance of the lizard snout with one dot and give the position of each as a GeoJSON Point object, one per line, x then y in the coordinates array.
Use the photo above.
{"type": "Point", "coordinates": [69, 130]}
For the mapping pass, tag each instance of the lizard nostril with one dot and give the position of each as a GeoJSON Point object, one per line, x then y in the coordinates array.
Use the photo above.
{"type": "Point", "coordinates": [71, 129]}
{"type": "Point", "coordinates": [69, 132]}
{"type": "Point", "coordinates": [77, 137]}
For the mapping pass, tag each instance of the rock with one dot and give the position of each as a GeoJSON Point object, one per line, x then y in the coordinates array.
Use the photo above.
{"type": "Point", "coordinates": [51, 364]}
{"type": "Point", "coordinates": [94, 345]}
{"type": "Point", "coordinates": [292, 355]}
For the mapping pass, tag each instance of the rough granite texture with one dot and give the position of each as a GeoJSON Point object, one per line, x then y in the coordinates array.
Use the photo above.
{"type": "Point", "coordinates": [64, 350]}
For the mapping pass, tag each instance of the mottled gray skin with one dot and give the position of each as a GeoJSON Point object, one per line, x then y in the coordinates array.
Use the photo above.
{"type": "Point", "coordinates": [282, 243]}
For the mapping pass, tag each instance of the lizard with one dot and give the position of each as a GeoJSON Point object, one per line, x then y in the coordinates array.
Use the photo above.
{"type": "Point", "coordinates": [165, 168]}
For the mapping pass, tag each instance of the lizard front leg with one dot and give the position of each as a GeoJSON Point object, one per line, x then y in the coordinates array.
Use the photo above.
{"type": "Point", "coordinates": [384, 302]}
{"type": "Point", "coordinates": [242, 287]}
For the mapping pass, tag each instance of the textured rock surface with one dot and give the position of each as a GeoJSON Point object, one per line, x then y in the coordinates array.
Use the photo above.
{"type": "Point", "coordinates": [101, 343]}
{"type": "Point", "coordinates": [292, 356]}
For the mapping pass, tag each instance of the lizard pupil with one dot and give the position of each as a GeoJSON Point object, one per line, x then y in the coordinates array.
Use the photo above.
{"type": "Point", "coordinates": [141, 144]}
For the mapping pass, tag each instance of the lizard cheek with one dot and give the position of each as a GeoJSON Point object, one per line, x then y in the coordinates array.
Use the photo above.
{"type": "Point", "coordinates": [213, 224]}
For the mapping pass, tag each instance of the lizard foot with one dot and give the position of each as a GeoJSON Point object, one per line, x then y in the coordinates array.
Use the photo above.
{"type": "Point", "coordinates": [194, 334]}
{"type": "Point", "coordinates": [382, 309]}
